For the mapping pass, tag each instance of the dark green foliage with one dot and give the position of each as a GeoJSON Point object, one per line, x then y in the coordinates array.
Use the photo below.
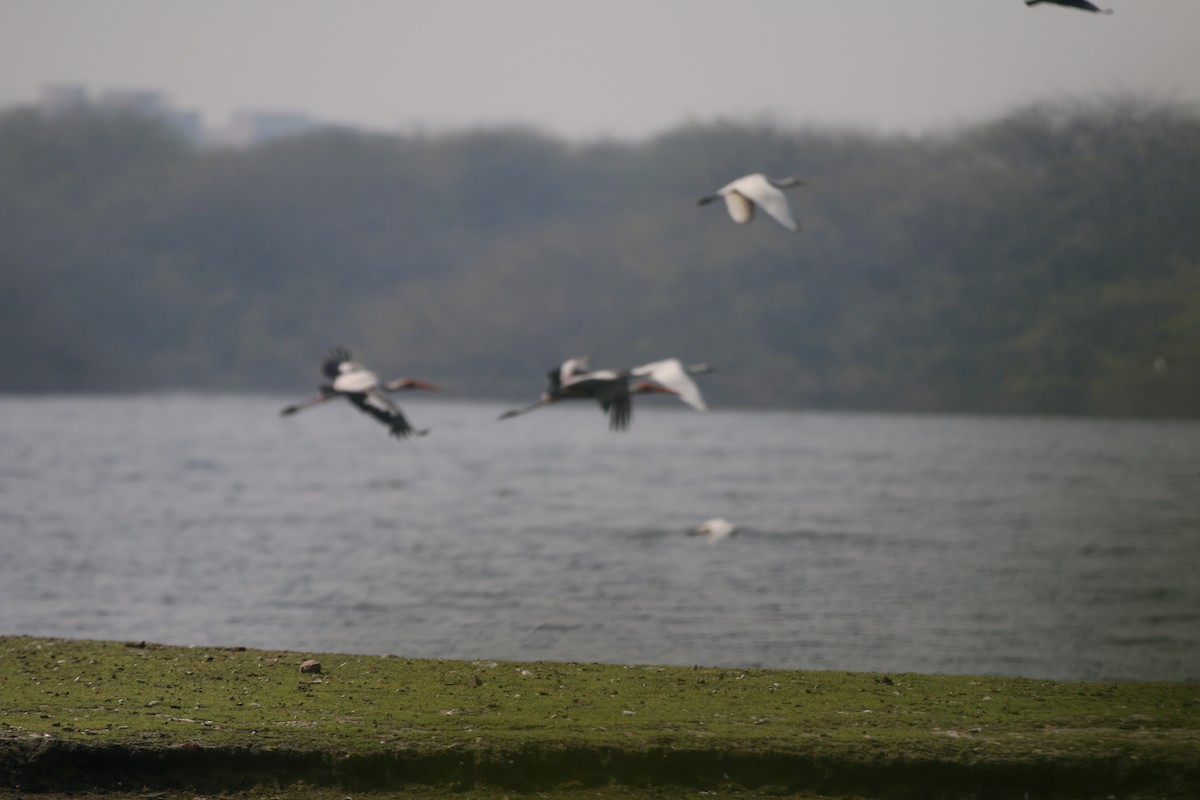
{"type": "Point", "coordinates": [1047, 261]}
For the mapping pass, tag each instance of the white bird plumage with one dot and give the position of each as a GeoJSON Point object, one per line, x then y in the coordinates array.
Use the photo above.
{"type": "Point", "coordinates": [672, 374]}
{"type": "Point", "coordinates": [715, 529]}
{"type": "Point", "coordinates": [743, 195]}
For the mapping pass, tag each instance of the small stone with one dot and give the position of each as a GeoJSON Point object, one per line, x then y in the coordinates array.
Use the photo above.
{"type": "Point", "coordinates": [311, 665]}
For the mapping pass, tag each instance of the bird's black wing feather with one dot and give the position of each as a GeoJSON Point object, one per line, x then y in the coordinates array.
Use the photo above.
{"type": "Point", "coordinates": [337, 356]}
{"type": "Point", "coordinates": [381, 408]}
{"type": "Point", "coordinates": [1083, 5]}
{"type": "Point", "coordinates": [615, 399]}
{"type": "Point", "coordinates": [612, 393]}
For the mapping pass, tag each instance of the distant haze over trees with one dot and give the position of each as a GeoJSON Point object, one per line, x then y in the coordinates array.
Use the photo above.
{"type": "Point", "coordinates": [1044, 262]}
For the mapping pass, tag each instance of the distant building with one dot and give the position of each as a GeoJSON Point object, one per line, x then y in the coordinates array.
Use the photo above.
{"type": "Point", "coordinates": [248, 128]}
{"type": "Point", "coordinates": [136, 101]}
{"type": "Point", "coordinates": [154, 105]}
{"type": "Point", "coordinates": [188, 124]}
{"type": "Point", "coordinates": [245, 129]}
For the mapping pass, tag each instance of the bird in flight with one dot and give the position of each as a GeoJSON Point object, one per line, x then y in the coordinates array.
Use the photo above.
{"type": "Point", "coordinates": [1083, 5]}
{"type": "Point", "coordinates": [757, 190]}
{"type": "Point", "coordinates": [613, 389]}
{"type": "Point", "coordinates": [362, 388]}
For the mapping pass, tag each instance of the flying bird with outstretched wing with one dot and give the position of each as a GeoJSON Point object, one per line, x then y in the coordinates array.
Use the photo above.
{"type": "Point", "coordinates": [362, 388]}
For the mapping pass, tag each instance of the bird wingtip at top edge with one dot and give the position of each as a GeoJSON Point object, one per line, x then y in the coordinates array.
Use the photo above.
{"type": "Point", "coordinates": [1082, 5]}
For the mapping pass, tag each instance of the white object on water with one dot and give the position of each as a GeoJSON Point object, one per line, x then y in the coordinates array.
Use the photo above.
{"type": "Point", "coordinates": [716, 529]}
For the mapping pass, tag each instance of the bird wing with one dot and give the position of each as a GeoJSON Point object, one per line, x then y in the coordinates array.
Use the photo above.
{"type": "Point", "coordinates": [740, 208]}
{"type": "Point", "coordinates": [610, 389]}
{"type": "Point", "coordinates": [380, 406]}
{"type": "Point", "coordinates": [332, 365]}
{"type": "Point", "coordinates": [672, 374]}
{"type": "Point", "coordinates": [1083, 5]}
{"type": "Point", "coordinates": [614, 399]}
{"type": "Point", "coordinates": [758, 190]}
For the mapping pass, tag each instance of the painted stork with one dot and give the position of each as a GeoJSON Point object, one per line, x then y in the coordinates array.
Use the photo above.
{"type": "Point", "coordinates": [1082, 5]}
{"type": "Point", "coordinates": [613, 389]}
{"type": "Point", "coordinates": [356, 383]}
{"type": "Point", "coordinates": [743, 195]}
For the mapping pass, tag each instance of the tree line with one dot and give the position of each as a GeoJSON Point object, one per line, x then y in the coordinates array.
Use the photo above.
{"type": "Point", "coordinates": [1047, 261]}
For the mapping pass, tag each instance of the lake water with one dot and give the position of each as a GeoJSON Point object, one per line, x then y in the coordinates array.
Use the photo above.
{"type": "Point", "coordinates": [1050, 548]}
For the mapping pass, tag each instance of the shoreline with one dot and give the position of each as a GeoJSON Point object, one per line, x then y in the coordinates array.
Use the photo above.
{"type": "Point", "coordinates": [81, 715]}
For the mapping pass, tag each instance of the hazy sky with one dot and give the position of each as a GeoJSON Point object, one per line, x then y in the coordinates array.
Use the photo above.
{"type": "Point", "coordinates": [592, 68]}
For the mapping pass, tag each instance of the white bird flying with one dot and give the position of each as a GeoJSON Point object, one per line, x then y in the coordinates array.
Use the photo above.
{"type": "Point", "coordinates": [612, 389]}
{"type": "Point", "coordinates": [757, 189]}
{"type": "Point", "coordinates": [362, 388]}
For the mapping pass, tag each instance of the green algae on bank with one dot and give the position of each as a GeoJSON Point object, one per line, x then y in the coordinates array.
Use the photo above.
{"type": "Point", "coordinates": [386, 719]}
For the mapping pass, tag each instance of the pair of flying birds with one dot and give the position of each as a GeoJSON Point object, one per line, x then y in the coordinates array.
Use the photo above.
{"type": "Point", "coordinates": [612, 389]}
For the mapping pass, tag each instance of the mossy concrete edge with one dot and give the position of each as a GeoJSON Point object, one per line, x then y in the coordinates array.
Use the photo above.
{"type": "Point", "coordinates": [65, 766]}
{"type": "Point", "coordinates": [80, 715]}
